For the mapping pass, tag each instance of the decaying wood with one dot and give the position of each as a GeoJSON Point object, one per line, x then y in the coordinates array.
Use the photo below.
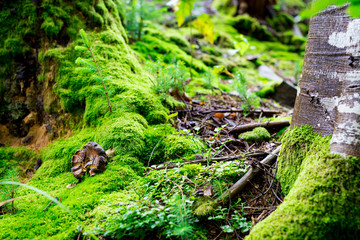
{"type": "Point", "coordinates": [239, 185]}
{"type": "Point", "coordinates": [248, 127]}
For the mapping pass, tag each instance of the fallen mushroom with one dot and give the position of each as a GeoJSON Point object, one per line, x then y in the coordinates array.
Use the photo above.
{"type": "Point", "coordinates": [91, 159]}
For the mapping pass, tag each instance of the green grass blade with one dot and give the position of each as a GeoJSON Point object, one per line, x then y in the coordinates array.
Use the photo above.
{"type": "Point", "coordinates": [38, 191]}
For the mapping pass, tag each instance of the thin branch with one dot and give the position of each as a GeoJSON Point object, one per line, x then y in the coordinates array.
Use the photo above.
{"type": "Point", "coordinates": [268, 124]}
{"type": "Point", "coordinates": [170, 165]}
{"type": "Point", "coordinates": [240, 185]}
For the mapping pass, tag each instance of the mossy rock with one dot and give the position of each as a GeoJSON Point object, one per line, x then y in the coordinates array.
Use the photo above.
{"type": "Point", "coordinates": [281, 22]}
{"type": "Point", "coordinates": [258, 135]}
{"type": "Point", "coordinates": [322, 192]}
{"type": "Point", "coordinates": [250, 26]}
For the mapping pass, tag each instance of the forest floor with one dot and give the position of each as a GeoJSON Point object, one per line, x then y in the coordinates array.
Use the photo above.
{"type": "Point", "coordinates": [170, 153]}
{"type": "Point", "coordinates": [216, 120]}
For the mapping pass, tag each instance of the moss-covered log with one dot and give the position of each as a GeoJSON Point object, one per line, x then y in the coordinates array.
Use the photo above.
{"type": "Point", "coordinates": [322, 192]}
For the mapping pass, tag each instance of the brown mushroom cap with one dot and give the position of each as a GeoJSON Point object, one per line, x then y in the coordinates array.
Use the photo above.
{"type": "Point", "coordinates": [92, 159]}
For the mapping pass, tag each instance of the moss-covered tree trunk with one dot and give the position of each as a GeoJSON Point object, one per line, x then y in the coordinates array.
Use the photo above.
{"type": "Point", "coordinates": [321, 186]}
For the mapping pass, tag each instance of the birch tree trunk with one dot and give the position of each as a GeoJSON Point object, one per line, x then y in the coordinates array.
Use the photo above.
{"type": "Point", "coordinates": [322, 190]}
{"type": "Point", "coordinates": [329, 95]}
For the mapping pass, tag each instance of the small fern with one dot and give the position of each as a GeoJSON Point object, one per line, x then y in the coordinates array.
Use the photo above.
{"type": "Point", "coordinates": [92, 65]}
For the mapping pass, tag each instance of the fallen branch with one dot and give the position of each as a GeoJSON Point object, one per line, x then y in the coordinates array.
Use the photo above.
{"type": "Point", "coordinates": [170, 165]}
{"type": "Point", "coordinates": [265, 112]}
{"type": "Point", "coordinates": [197, 161]}
{"type": "Point", "coordinates": [268, 124]}
{"type": "Point", "coordinates": [240, 185]}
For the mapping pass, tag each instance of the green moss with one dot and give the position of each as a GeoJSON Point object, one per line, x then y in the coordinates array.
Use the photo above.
{"type": "Point", "coordinates": [125, 134]}
{"type": "Point", "coordinates": [267, 90]}
{"type": "Point", "coordinates": [191, 170]}
{"type": "Point", "coordinates": [115, 178]}
{"type": "Point", "coordinates": [18, 158]}
{"type": "Point", "coordinates": [250, 26]}
{"type": "Point", "coordinates": [304, 28]}
{"type": "Point", "coordinates": [169, 145]}
{"type": "Point", "coordinates": [282, 22]}
{"type": "Point", "coordinates": [81, 200]}
{"type": "Point", "coordinates": [225, 7]}
{"type": "Point", "coordinates": [204, 206]}
{"type": "Point", "coordinates": [168, 51]}
{"type": "Point", "coordinates": [81, 95]}
{"type": "Point", "coordinates": [322, 200]}
{"type": "Point", "coordinates": [177, 38]}
{"type": "Point", "coordinates": [298, 142]}
{"type": "Point", "coordinates": [57, 156]}
{"type": "Point", "coordinates": [130, 161]}
{"type": "Point", "coordinates": [212, 49]}
{"type": "Point", "coordinates": [15, 27]}
{"type": "Point", "coordinates": [258, 135]}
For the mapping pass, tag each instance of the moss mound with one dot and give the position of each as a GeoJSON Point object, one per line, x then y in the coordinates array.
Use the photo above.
{"type": "Point", "coordinates": [162, 144]}
{"type": "Point", "coordinates": [322, 201]}
{"type": "Point", "coordinates": [80, 95]}
{"type": "Point", "coordinates": [258, 135]}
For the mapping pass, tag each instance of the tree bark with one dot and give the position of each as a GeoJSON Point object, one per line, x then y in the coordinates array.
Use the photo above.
{"type": "Point", "coordinates": [329, 91]}
{"type": "Point", "coordinates": [322, 190]}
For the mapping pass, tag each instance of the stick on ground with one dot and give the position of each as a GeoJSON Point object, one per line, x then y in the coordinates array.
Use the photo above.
{"type": "Point", "coordinates": [240, 185]}
{"type": "Point", "coordinates": [248, 127]}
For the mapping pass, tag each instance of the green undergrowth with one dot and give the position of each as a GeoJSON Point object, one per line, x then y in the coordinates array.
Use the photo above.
{"type": "Point", "coordinates": [137, 128]}
{"type": "Point", "coordinates": [164, 204]}
{"type": "Point", "coordinates": [162, 48]}
{"type": "Point", "coordinates": [128, 129]}
{"type": "Point", "coordinates": [322, 192]}
{"type": "Point", "coordinates": [30, 220]}
{"type": "Point", "coordinates": [163, 144]}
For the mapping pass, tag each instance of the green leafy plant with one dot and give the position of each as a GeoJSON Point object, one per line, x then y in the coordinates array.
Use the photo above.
{"type": "Point", "coordinates": [242, 46]}
{"type": "Point", "coordinates": [250, 99]}
{"type": "Point", "coordinates": [169, 78]}
{"type": "Point", "coordinates": [92, 66]}
{"type": "Point", "coordinates": [168, 118]}
{"type": "Point", "coordinates": [165, 202]}
{"type": "Point", "coordinates": [209, 79]}
{"type": "Point", "coordinates": [202, 23]}
{"type": "Point", "coordinates": [234, 221]}
{"type": "Point", "coordinates": [168, 216]}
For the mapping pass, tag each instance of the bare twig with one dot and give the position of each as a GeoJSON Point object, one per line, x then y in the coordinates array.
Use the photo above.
{"type": "Point", "coordinates": [251, 126]}
{"type": "Point", "coordinates": [152, 152]}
